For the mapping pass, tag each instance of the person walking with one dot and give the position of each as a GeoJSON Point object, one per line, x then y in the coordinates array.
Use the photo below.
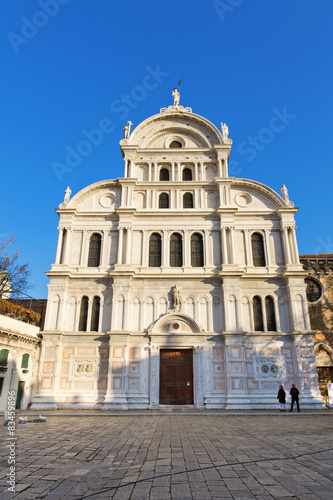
{"type": "Point", "coordinates": [294, 392]}
{"type": "Point", "coordinates": [282, 398]}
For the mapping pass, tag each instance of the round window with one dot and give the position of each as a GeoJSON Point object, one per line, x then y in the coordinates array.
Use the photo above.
{"type": "Point", "coordinates": [313, 290]}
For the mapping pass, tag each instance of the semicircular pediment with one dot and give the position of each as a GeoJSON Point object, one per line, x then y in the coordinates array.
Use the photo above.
{"type": "Point", "coordinates": [175, 324]}
{"type": "Point", "coordinates": [196, 130]}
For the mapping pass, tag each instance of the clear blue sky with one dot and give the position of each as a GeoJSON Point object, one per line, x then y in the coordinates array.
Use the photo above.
{"type": "Point", "coordinates": [242, 62]}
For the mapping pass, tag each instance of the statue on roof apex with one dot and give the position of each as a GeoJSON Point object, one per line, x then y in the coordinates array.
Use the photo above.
{"type": "Point", "coordinates": [127, 129]}
{"type": "Point", "coordinates": [176, 96]}
{"type": "Point", "coordinates": [225, 131]}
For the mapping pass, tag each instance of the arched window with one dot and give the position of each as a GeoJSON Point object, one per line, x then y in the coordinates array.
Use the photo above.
{"type": "Point", "coordinates": [4, 357]}
{"type": "Point", "coordinates": [175, 145]}
{"type": "Point", "coordinates": [257, 314]}
{"type": "Point", "coordinates": [197, 258]}
{"type": "Point", "coordinates": [155, 250]}
{"type": "Point", "coordinates": [270, 314]}
{"type": "Point", "coordinates": [83, 314]}
{"type": "Point", "coordinates": [258, 251]}
{"type": "Point", "coordinates": [164, 174]}
{"type": "Point", "coordinates": [163, 201]}
{"type": "Point", "coordinates": [95, 314]}
{"type": "Point", "coordinates": [25, 361]}
{"type": "Point", "coordinates": [94, 250]}
{"type": "Point", "coordinates": [187, 174]}
{"type": "Point", "coordinates": [188, 200]}
{"type": "Point", "coordinates": [176, 250]}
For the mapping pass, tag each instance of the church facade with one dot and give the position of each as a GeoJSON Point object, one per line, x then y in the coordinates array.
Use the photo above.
{"type": "Point", "coordinates": [176, 285]}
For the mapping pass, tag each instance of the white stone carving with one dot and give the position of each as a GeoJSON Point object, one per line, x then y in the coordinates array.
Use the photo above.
{"type": "Point", "coordinates": [270, 368]}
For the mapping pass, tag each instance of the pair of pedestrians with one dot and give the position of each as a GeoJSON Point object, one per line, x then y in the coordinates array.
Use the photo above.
{"type": "Point", "coordinates": [294, 392]}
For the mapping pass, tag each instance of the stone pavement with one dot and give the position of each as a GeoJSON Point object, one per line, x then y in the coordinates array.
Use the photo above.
{"type": "Point", "coordinates": [178, 455]}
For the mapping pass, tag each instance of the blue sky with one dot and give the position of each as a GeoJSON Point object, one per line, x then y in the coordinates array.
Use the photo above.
{"type": "Point", "coordinates": [67, 65]}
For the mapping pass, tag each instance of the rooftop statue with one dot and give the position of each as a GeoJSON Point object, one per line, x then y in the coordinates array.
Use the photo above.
{"type": "Point", "coordinates": [127, 129]}
{"type": "Point", "coordinates": [68, 193]}
{"type": "Point", "coordinates": [225, 131]}
{"type": "Point", "coordinates": [176, 97]}
{"type": "Point", "coordinates": [285, 195]}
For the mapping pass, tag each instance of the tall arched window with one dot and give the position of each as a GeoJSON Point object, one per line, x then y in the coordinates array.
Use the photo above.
{"type": "Point", "coordinates": [197, 258]}
{"type": "Point", "coordinates": [155, 246]}
{"type": "Point", "coordinates": [164, 174]}
{"type": "Point", "coordinates": [187, 174]}
{"type": "Point", "coordinates": [257, 314]}
{"type": "Point", "coordinates": [163, 201]}
{"type": "Point", "coordinates": [83, 314]}
{"type": "Point", "coordinates": [258, 251]}
{"type": "Point", "coordinates": [4, 357]}
{"type": "Point", "coordinates": [188, 200]}
{"type": "Point", "coordinates": [25, 361]}
{"type": "Point", "coordinates": [270, 314]}
{"type": "Point", "coordinates": [94, 250]}
{"type": "Point", "coordinates": [176, 250]}
{"type": "Point", "coordinates": [95, 314]}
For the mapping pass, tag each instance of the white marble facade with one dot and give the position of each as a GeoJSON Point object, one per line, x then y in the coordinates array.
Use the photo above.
{"type": "Point", "coordinates": [209, 251]}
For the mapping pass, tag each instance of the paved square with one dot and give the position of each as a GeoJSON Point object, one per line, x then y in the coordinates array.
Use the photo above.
{"type": "Point", "coordinates": [144, 455]}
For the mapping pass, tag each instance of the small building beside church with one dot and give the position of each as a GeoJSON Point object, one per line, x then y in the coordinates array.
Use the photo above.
{"type": "Point", "coordinates": [176, 285]}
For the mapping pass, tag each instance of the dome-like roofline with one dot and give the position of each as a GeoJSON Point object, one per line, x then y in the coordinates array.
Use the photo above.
{"type": "Point", "coordinates": [190, 123]}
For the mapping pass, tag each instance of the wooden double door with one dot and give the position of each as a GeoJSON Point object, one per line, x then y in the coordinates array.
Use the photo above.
{"type": "Point", "coordinates": [176, 376]}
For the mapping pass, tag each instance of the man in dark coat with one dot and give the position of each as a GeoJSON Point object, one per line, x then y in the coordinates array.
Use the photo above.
{"type": "Point", "coordinates": [294, 397]}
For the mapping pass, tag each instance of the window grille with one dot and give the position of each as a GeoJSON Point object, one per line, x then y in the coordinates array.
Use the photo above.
{"type": "Point", "coordinates": [270, 314]}
{"type": "Point", "coordinates": [25, 361]}
{"type": "Point", "coordinates": [197, 258]}
{"type": "Point", "coordinates": [258, 251]}
{"type": "Point", "coordinates": [83, 314]}
{"type": "Point", "coordinates": [164, 174]}
{"type": "Point", "coordinates": [257, 314]}
{"type": "Point", "coordinates": [155, 250]}
{"type": "Point", "coordinates": [164, 200]}
{"type": "Point", "coordinates": [94, 250]}
{"type": "Point", "coordinates": [176, 250]}
{"type": "Point", "coordinates": [95, 314]}
{"type": "Point", "coordinates": [187, 174]}
{"type": "Point", "coordinates": [188, 200]}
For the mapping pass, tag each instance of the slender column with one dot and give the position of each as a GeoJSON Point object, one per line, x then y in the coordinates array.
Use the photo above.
{"type": "Point", "coordinates": [85, 248]}
{"type": "Point", "coordinates": [90, 300]}
{"type": "Point", "coordinates": [248, 259]}
{"type": "Point", "coordinates": [207, 248]}
{"type": "Point", "coordinates": [126, 169]}
{"type": "Point", "coordinates": [277, 315]}
{"type": "Point", "coordinates": [224, 245]}
{"type": "Point", "coordinates": [105, 244]}
{"type": "Point", "coordinates": [129, 168]}
{"type": "Point", "coordinates": [264, 317]}
{"type": "Point", "coordinates": [294, 240]}
{"type": "Point", "coordinates": [196, 171]}
{"type": "Point", "coordinates": [144, 257]}
{"type": "Point", "coordinates": [267, 247]}
{"type": "Point", "coordinates": [196, 199]}
{"type": "Point", "coordinates": [200, 176]}
{"type": "Point", "coordinates": [59, 246]}
{"type": "Point", "coordinates": [128, 245]}
{"type": "Point", "coordinates": [186, 249]}
{"type": "Point", "coordinates": [172, 171]}
{"type": "Point", "coordinates": [251, 316]}
{"type": "Point", "coordinates": [306, 314]}
{"type": "Point", "coordinates": [219, 167]}
{"type": "Point", "coordinates": [221, 195]}
{"type": "Point", "coordinates": [172, 198]}
{"type": "Point", "coordinates": [224, 168]}
{"type": "Point", "coordinates": [202, 198]}
{"type": "Point", "coordinates": [148, 204]}
{"type": "Point", "coordinates": [149, 171]}
{"type": "Point", "coordinates": [286, 247]}
{"type": "Point", "coordinates": [165, 249]}
{"type": "Point", "coordinates": [120, 245]}
{"type": "Point", "coordinates": [154, 200]}
{"type": "Point", "coordinates": [232, 244]}
{"type": "Point", "coordinates": [154, 164]}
